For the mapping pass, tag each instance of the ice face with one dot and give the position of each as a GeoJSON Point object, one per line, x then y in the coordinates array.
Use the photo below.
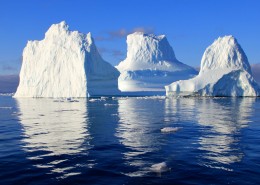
{"type": "Point", "coordinates": [225, 71]}
{"type": "Point", "coordinates": [65, 64]}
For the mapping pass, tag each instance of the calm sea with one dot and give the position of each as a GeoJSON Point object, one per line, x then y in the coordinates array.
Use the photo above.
{"type": "Point", "coordinates": [118, 140]}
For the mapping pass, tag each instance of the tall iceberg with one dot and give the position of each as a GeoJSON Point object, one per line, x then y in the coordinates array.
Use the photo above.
{"type": "Point", "coordinates": [65, 64]}
{"type": "Point", "coordinates": [225, 71]}
{"type": "Point", "coordinates": [150, 64]}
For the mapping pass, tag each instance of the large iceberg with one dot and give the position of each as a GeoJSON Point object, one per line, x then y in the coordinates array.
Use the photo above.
{"type": "Point", "coordinates": [150, 64]}
{"type": "Point", "coordinates": [65, 64]}
{"type": "Point", "coordinates": [225, 71]}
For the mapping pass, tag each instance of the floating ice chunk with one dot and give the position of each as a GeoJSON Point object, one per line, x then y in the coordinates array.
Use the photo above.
{"type": "Point", "coordinates": [6, 94]}
{"type": "Point", "coordinates": [93, 100]}
{"type": "Point", "coordinates": [108, 104]}
{"type": "Point", "coordinates": [170, 129]}
{"type": "Point", "coordinates": [152, 97]}
{"type": "Point", "coordinates": [160, 167]}
{"type": "Point", "coordinates": [6, 107]}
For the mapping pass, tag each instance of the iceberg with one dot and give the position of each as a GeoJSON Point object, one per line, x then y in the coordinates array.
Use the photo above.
{"type": "Point", "coordinates": [224, 71]}
{"type": "Point", "coordinates": [65, 64]}
{"type": "Point", "coordinates": [150, 64]}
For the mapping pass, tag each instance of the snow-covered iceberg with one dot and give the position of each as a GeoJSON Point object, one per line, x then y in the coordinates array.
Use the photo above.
{"type": "Point", "coordinates": [225, 71]}
{"type": "Point", "coordinates": [150, 64]}
{"type": "Point", "coordinates": [65, 64]}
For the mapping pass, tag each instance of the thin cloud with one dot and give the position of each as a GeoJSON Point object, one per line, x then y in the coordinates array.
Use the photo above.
{"type": "Point", "coordinates": [122, 33]}
{"type": "Point", "coordinates": [256, 72]}
{"type": "Point", "coordinates": [117, 53]}
{"type": "Point", "coordinates": [148, 30]}
{"type": "Point", "coordinates": [11, 66]}
{"type": "Point", "coordinates": [114, 52]}
{"type": "Point", "coordinates": [100, 38]}
{"type": "Point", "coordinates": [118, 33]}
{"type": "Point", "coordinates": [6, 67]}
{"type": "Point", "coordinates": [102, 50]}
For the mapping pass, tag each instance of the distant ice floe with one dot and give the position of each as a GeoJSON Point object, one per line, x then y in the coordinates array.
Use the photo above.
{"type": "Point", "coordinates": [160, 167]}
{"type": "Point", "coordinates": [6, 107]}
{"type": "Point", "coordinates": [109, 104]}
{"type": "Point", "coordinates": [6, 94]}
{"type": "Point", "coordinates": [93, 100]}
{"type": "Point", "coordinates": [170, 129]}
{"type": "Point", "coordinates": [70, 100]}
{"type": "Point", "coordinates": [151, 97]}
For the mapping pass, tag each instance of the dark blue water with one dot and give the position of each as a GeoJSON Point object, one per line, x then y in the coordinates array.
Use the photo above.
{"type": "Point", "coordinates": [117, 140]}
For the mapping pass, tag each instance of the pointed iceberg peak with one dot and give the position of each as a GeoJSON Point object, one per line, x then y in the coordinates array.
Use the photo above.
{"type": "Point", "coordinates": [90, 39]}
{"type": "Point", "coordinates": [63, 25]}
{"type": "Point", "coordinates": [58, 28]}
{"type": "Point", "coordinates": [89, 35]}
{"type": "Point", "coordinates": [226, 40]}
{"type": "Point", "coordinates": [224, 53]}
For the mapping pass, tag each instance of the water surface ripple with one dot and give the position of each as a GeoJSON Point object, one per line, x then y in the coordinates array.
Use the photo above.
{"type": "Point", "coordinates": [119, 141]}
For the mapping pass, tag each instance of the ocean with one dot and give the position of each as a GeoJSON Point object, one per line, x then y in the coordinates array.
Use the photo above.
{"type": "Point", "coordinates": [118, 140]}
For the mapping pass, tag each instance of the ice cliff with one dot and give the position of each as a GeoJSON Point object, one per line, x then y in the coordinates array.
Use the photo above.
{"type": "Point", "coordinates": [150, 64]}
{"type": "Point", "coordinates": [225, 71]}
{"type": "Point", "coordinates": [65, 64]}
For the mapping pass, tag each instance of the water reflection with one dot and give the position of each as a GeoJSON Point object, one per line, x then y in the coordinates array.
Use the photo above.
{"type": "Point", "coordinates": [124, 133]}
{"type": "Point", "coordinates": [223, 120]}
{"type": "Point", "coordinates": [220, 123]}
{"type": "Point", "coordinates": [180, 110]}
{"type": "Point", "coordinates": [139, 131]}
{"type": "Point", "coordinates": [53, 130]}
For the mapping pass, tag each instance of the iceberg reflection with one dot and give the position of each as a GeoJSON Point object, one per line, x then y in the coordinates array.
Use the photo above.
{"type": "Point", "coordinates": [139, 131]}
{"type": "Point", "coordinates": [53, 130]}
{"type": "Point", "coordinates": [180, 110]}
{"type": "Point", "coordinates": [224, 117]}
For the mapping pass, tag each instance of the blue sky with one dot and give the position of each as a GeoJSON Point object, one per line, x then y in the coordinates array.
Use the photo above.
{"type": "Point", "coordinates": [190, 26]}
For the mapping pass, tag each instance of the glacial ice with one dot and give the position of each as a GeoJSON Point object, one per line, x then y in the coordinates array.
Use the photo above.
{"type": "Point", "coordinates": [65, 64]}
{"type": "Point", "coordinates": [150, 64]}
{"type": "Point", "coordinates": [225, 71]}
